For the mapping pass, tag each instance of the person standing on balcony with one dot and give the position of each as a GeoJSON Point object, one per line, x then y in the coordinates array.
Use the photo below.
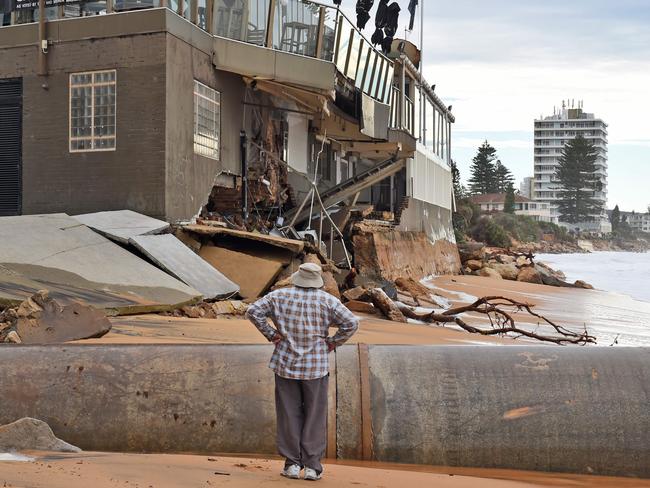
{"type": "Point", "coordinates": [302, 315]}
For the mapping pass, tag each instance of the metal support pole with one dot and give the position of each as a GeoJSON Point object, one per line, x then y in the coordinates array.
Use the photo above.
{"type": "Point", "coordinates": [321, 33]}
{"type": "Point", "coordinates": [42, 40]}
{"type": "Point", "coordinates": [269, 24]}
{"type": "Point", "coordinates": [243, 141]}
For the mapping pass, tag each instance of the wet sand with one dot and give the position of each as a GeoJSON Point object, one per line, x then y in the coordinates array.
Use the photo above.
{"type": "Point", "coordinates": [110, 470]}
{"type": "Point", "coordinates": [609, 316]}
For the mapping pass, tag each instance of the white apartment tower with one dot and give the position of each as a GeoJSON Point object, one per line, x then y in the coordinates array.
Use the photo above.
{"type": "Point", "coordinates": [551, 134]}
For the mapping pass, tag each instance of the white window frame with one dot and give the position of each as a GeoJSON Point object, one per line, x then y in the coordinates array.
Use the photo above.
{"type": "Point", "coordinates": [200, 148]}
{"type": "Point", "coordinates": [92, 85]}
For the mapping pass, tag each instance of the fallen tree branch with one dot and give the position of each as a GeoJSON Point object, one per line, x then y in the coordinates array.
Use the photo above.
{"type": "Point", "coordinates": [499, 311]}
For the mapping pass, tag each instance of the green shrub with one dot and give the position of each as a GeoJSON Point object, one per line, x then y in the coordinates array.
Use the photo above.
{"type": "Point", "coordinates": [489, 231]}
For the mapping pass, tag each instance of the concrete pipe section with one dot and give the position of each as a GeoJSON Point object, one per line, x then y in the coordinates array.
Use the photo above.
{"type": "Point", "coordinates": [572, 409]}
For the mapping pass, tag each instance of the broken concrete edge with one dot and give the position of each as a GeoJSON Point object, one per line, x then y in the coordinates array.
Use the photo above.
{"type": "Point", "coordinates": [293, 245]}
{"type": "Point", "coordinates": [152, 308]}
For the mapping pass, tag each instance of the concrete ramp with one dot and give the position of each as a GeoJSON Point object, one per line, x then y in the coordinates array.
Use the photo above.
{"type": "Point", "coordinates": [56, 253]}
{"type": "Point", "coordinates": [563, 409]}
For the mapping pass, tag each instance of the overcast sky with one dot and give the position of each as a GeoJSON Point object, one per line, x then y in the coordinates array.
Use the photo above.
{"type": "Point", "coordinates": [503, 63]}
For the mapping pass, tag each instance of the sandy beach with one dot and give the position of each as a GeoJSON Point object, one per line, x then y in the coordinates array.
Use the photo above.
{"type": "Point", "coordinates": [108, 470]}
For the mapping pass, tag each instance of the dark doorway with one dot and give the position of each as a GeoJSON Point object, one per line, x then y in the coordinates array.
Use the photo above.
{"type": "Point", "coordinates": [11, 115]}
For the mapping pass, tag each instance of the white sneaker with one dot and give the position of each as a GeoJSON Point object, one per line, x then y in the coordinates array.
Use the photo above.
{"type": "Point", "coordinates": [312, 475]}
{"type": "Point", "coordinates": [292, 472]}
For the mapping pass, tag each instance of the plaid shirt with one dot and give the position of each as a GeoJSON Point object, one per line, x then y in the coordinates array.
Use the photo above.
{"type": "Point", "coordinates": [302, 317]}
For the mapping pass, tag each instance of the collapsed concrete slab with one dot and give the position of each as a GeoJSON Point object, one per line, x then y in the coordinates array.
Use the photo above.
{"type": "Point", "coordinates": [121, 225]}
{"type": "Point", "coordinates": [253, 274]}
{"type": "Point", "coordinates": [293, 245]}
{"type": "Point", "coordinates": [177, 259]}
{"type": "Point", "coordinates": [57, 253]}
{"type": "Point", "coordinates": [42, 320]}
{"type": "Point", "coordinates": [29, 434]}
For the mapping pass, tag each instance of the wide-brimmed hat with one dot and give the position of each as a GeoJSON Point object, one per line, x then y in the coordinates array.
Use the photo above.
{"type": "Point", "coordinates": [308, 276]}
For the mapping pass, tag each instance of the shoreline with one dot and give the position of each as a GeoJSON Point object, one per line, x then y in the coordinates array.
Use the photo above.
{"type": "Point", "coordinates": [107, 470]}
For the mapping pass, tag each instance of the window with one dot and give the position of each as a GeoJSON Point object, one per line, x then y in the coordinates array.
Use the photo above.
{"type": "Point", "coordinates": [92, 111]}
{"type": "Point", "coordinates": [207, 121]}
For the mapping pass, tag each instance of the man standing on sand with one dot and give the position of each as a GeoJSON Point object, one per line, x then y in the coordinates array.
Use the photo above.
{"type": "Point", "coordinates": [302, 315]}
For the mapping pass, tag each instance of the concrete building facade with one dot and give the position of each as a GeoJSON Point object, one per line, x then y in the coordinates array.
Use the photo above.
{"type": "Point", "coordinates": [495, 202]}
{"type": "Point", "coordinates": [551, 135]}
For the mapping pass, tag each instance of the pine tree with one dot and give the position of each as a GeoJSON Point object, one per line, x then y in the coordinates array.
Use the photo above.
{"type": "Point", "coordinates": [578, 182]}
{"type": "Point", "coordinates": [483, 177]}
{"type": "Point", "coordinates": [503, 177]}
{"type": "Point", "coordinates": [459, 189]}
{"type": "Point", "coordinates": [615, 218]}
{"type": "Point", "coordinates": [509, 204]}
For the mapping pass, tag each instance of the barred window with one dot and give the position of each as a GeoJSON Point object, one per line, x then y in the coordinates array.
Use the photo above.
{"type": "Point", "coordinates": [92, 111]}
{"type": "Point", "coordinates": [207, 120]}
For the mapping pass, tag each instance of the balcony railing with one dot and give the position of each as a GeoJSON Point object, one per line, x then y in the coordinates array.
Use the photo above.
{"type": "Point", "coordinates": [302, 27]}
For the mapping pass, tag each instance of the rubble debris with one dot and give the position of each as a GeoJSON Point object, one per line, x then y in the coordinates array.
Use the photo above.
{"type": "Point", "coordinates": [188, 239]}
{"type": "Point", "coordinates": [177, 259]}
{"type": "Point", "coordinates": [358, 293]}
{"type": "Point", "coordinates": [57, 253]}
{"type": "Point", "coordinates": [254, 275]}
{"type": "Point", "coordinates": [28, 434]}
{"type": "Point", "coordinates": [121, 225]}
{"type": "Point", "coordinates": [211, 310]}
{"type": "Point", "coordinates": [42, 320]}
{"type": "Point", "coordinates": [293, 245]}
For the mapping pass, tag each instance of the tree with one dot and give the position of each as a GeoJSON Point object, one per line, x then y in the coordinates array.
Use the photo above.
{"type": "Point", "coordinates": [483, 177]}
{"type": "Point", "coordinates": [578, 182]}
{"type": "Point", "coordinates": [459, 189]}
{"type": "Point", "coordinates": [503, 177]}
{"type": "Point", "coordinates": [509, 204]}
{"type": "Point", "coordinates": [615, 218]}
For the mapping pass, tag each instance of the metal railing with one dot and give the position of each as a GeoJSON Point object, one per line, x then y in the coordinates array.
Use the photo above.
{"type": "Point", "coordinates": [302, 27]}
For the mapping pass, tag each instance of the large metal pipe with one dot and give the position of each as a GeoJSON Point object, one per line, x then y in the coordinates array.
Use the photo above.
{"type": "Point", "coordinates": [582, 410]}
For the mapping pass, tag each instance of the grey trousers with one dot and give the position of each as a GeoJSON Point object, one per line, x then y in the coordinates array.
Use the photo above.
{"type": "Point", "coordinates": [301, 408]}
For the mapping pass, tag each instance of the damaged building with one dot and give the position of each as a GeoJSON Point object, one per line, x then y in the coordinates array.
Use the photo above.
{"type": "Point", "coordinates": [270, 116]}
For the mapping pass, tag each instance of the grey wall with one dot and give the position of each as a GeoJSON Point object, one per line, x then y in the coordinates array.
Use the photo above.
{"type": "Point", "coordinates": [132, 176]}
{"type": "Point", "coordinates": [190, 177]}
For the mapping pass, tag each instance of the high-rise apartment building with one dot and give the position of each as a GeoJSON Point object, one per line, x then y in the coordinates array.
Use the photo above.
{"type": "Point", "coordinates": [551, 134]}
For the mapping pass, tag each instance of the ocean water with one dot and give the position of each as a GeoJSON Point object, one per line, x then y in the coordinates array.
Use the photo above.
{"type": "Point", "coordinates": [627, 273]}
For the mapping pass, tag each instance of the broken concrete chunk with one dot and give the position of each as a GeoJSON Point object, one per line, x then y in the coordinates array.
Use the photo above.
{"type": "Point", "coordinates": [253, 274]}
{"type": "Point", "coordinates": [121, 225]}
{"type": "Point", "coordinates": [42, 320]}
{"type": "Point", "coordinates": [177, 259]}
{"type": "Point", "coordinates": [28, 434]}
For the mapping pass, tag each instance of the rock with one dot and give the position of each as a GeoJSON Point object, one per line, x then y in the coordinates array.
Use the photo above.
{"type": "Point", "coordinates": [583, 284]}
{"type": "Point", "coordinates": [507, 271]}
{"type": "Point", "coordinates": [229, 307]}
{"type": "Point", "coordinates": [361, 307]}
{"type": "Point", "coordinates": [548, 278]}
{"type": "Point", "coordinates": [358, 293]}
{"type": "Point", "coordinates": [471, 250]}
{"type": "Point", "coordinates": [42, 320]}
{"type": "Point", "coordinates": [507, 259]}
{"type": "Point", "coordinates": [406, 299]}
{"type": "Point", "coordinates": [13, 337]}
{"type": "Point", "coordinates": [467, 270]}
{"type": "Point", "coordinates": [529, 274]}
{"type": "Point", "coordinates": [474, 264]}
{"type": "Point", "coordinates": [193, 312]}
{"type": "Point", "coordinates": [489, 273]}
{"type": "Point", "coordinates": [33, 435]}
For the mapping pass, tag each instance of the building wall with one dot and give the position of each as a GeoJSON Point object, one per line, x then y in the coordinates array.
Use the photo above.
{"type": "Point", "coordinates": [190, 177]}
{"type": "Point", "coordinates": [132, 176]}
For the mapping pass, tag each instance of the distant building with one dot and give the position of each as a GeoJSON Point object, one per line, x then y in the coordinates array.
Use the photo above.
{"type": "Point", "coordinates": [638, 221]}
{"type": "Point", "coordinates": [526, 187]}
{"type": "Point", "coordinates": [551, 135]}
{"type": "Point", "coordinates": [495, 202]}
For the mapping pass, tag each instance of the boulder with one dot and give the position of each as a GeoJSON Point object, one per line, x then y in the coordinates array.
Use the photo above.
{"type": "Point", "coordinates": [507, 259]}
{"type": "Point", "coordinates": [507, 271]}
{"type": "Point", "coordinates": [358, 293]}
{"type": "Point", "coordinates": [361, 307]}
{"type": "Point", "coordinates": [583, 284]}
{"type": "Point", "coordinates": [489, 273]}
{"type": "Point", "coordinates": [28, 434]}
{"type": "Point", "coordinates": [474, 264]}
{"type": "Point", "coordinates": [529, 274]}
{"type": "Point", "coordinates": [549, 278]}
{"type": "Point", "coordinates": [471, 250]}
